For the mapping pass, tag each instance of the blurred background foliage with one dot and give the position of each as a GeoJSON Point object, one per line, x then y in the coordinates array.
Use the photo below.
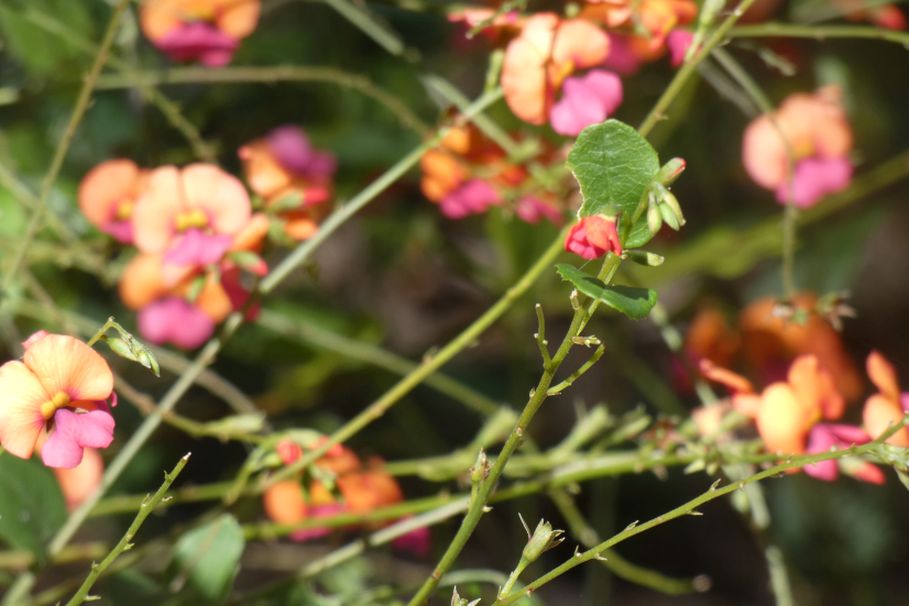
{"type": "Point", "coordinates": [403, 278]}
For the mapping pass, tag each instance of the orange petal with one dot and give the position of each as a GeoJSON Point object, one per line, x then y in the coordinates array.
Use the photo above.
{"type": "Point", "coordinates": [78, 482]}
{"type": "Point", "coordinates": [21, 420]}
{"type": "Point", "coordinates": [764, 153]}
{"type": "Point", "coordinates": [524, 78]}
{"type": "Point", "coordinates": [237, 18]}
{"type": "Point", "coordinates": [65, 364]}
{"type": "Point", "coordinates": [735, 382]}
{"type": "Point", "coordinates": [579, 44]}
{"type": "Point", "coordinates": [284, 503]}
{"type": "Point", "coordinates": [142, 281]}
{"type": "Point", "coordinates": [813, 386]}
{"type": "Point", "coordinates": [251, 237]}
{"type": "Point", "coordinates": [367, 491]}
{"type": "Point", "coordinates": [106, 185]}
{"type": "Point", "coordinates": [219, 194]}
{"type": "Point", "coordinates": [213, 299]}
{"type": "Point", "coordinates": [263, 172]}
{"type": "Point", "coordinates": [879, 414]}
{"type": "Point", "coordinates": [781, 420]}
{"type": "Point", "coordinates": [156, 210]}
{"type": "Point", "coordinates": [158, 17]}
{"type": "Point", "coordinates": [883, 375]}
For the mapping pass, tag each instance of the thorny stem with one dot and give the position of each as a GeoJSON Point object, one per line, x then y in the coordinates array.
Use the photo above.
{"type": "Point", "coordinates": [537, 397]}
{"type": "Point", "coordinates": [691, 508]}
{"type": "Point", "coordinates": [125, 543]}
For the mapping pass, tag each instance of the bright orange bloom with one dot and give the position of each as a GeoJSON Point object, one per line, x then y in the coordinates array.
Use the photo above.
{"type": "Point", "coordinates": [886, 407]}
{"type": "Point", "coordinates": [61, 386]}
{"type": "Point", "coordinates": [655, 18]}
{"type": "Point", "coordinates": [548, 50]}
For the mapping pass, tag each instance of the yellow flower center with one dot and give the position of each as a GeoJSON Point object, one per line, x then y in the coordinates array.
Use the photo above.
{"type": "Point", "coordinates": [125, 209]}
{"type": "Point", "coordinates": [190, 219]}
{"type": "Point", "coordinates": [60, 400]}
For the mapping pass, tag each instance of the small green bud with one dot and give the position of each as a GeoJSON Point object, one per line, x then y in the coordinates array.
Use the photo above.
{"type": "Point", "coordinates": [672, 202]}
{"type": "Point", "coordinates": [457, 600]}
{"type": "Point", "coordinates": [642, 257]}
{"type": "Point", "coordinates": [127, 346]}
{"type": "Point", "coordinates": [654, 220]}
{"type": "Point", "coordinates": [480, 468]}
{"type": "Point", "coordinates": [543, 539]}
{"type": "Point", "coordinates": [669, 217]}
{"type": "Point", "coordinates": [671, 171]}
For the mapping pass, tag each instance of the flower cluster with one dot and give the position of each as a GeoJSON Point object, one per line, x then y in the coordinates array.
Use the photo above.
{"type": "Point", "coordinates": [199, 234]}
{"type": "Point", "coordinates": [56, 399]}
{"type": "Point", "coordinates": [338, 482]}
{"type": "Point", "coordinates": [565, 70]}
{"type": "Point", "coordinates": [467, 174]}
{"type": "Point", "coordinates": [794, 416]}
{"type": "Point", "coordinates": [207, 31]}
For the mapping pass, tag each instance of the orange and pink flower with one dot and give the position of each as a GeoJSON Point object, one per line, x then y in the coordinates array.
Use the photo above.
{"type": "Point", "coordinates": [61, 388]}
{"type": "Point", "coordinates": [207, 31]}
{"type": "Point", "coordinates": [801, 151]}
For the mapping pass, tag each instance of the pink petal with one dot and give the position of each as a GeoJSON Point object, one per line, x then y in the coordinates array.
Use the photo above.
{"type": "Point", "coordinates": [61, 450]}
{"type": "Point", "coordinates": [198, 41]}
{"type": "Point", "coordinates": [175, 320]}
{"type": "Point", "coordinates": [321, 511]}
{"type": "Point", "coordinates": [678, 41]}
{"type": "Point", "coordinates": [66, 364]}
{"type": "Point", "coordinates": [473, 197]}
{"type": "Point", "coordinates": [848, 435]}
{"type": "Point", "coordinates": [195, 248]}
{"type": "Point", "coordinates": [621, 58]}
{"type": "Point", "coordinates": [94, 429]}
{"type": "Point", "coordinates": [531, 209]}
{"type": "Point", "coordinates": [34, 338]}
{"type": "Point", "coordinates": [122, 231]}
{"type": "Point", "coordinates": [74, 431]}
{"type": "Point", "coordinates": [586, 100]}
{"type": "Point", "coordinates": [814, 178]}
{"type": "Point", "coordinates": [415, 542]}
{"type": "Point", "coordinates": [822, 439]}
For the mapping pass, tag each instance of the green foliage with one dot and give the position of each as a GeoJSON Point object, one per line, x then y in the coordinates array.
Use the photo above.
{"type": "Point", "coordinates": [614, 167]}
{"type": "Point", "coordinates": [40, 52]}
{"type": "Point", "coordinates": [206, 560]}
{"type": "Point", "coordinates": [635, 303]}
{"type": "Point", "coordinates": [31, 504]}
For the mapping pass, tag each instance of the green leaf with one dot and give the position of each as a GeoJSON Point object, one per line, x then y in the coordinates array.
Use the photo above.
{"type": "Point", "coordinates": [614, 165]}
{"type": "Point", "coordinates": [635, 303]}
{"type": "Point", "coordinates": [206, 560]}
{"type": "Point", "coordinates": [31, 504]}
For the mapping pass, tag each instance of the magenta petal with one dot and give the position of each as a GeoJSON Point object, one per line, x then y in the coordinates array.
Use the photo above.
{"type": "Point", "coordinates": [415, 542]}
{"type": "Point", "coordinates": [904, 401]}
{"type": "Point", "coordinates": [94, 429]}
{"type": "Point", "coordinates": [61, 450]}
{"type": "Point", "coordinates": [122, 231]}
{"type": "Point", "coordinates": [814, 178]}
{"type": "Point", "coordinates": [847, 435]}
{"type": "Point", "coordinates": [821, 439]}
{"type": "Point", "coordinates": [177, 321]}
{"type": "Point", "coordinates": [198, 249]}
{"type": "Point", "coordinates": [586, 100]}
{"type": "Point", "coordinates": [621, 58]}
{"type": "Point", "coordinates": [531, 209]}
{"type": "Point", "coordinates": [293, 151]}
{"type": "Point", "coordinates": [472, 198]}
{"type": "Point", "coordinates": [198, 41]}
{"type": "Point", "coordinates": [678, 41]}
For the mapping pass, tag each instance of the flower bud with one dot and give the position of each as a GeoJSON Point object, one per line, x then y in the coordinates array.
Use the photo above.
{"type": "Point", "coordinates": [642, 257]}
{"type": "Point", "coordinates": [670, 200]}
{"type": "Point", "coordinates": [671, 171]}
{"type": "Point", "coordinates": [543, 539]}
{"type": "Point", "coordinates": [669, 216]}
{"type": "Point", "coordinates": [654, 220]}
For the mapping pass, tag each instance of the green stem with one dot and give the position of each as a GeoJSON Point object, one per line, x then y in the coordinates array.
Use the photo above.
{"type": "Point", "coordinates": [270, 75]}
{"type": "Point", "coordinates": [819, 32]}
{"type": "Point", "coordinates": [690, 508]}
{"type": "Point", "coordinates": [60, 152]}
{"type": "Point", "coordinates": [538, 395]}
{"type": "Point", "coordinates": [125, 543]}
{"type": "Point", "coordinates": [365, 352]}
